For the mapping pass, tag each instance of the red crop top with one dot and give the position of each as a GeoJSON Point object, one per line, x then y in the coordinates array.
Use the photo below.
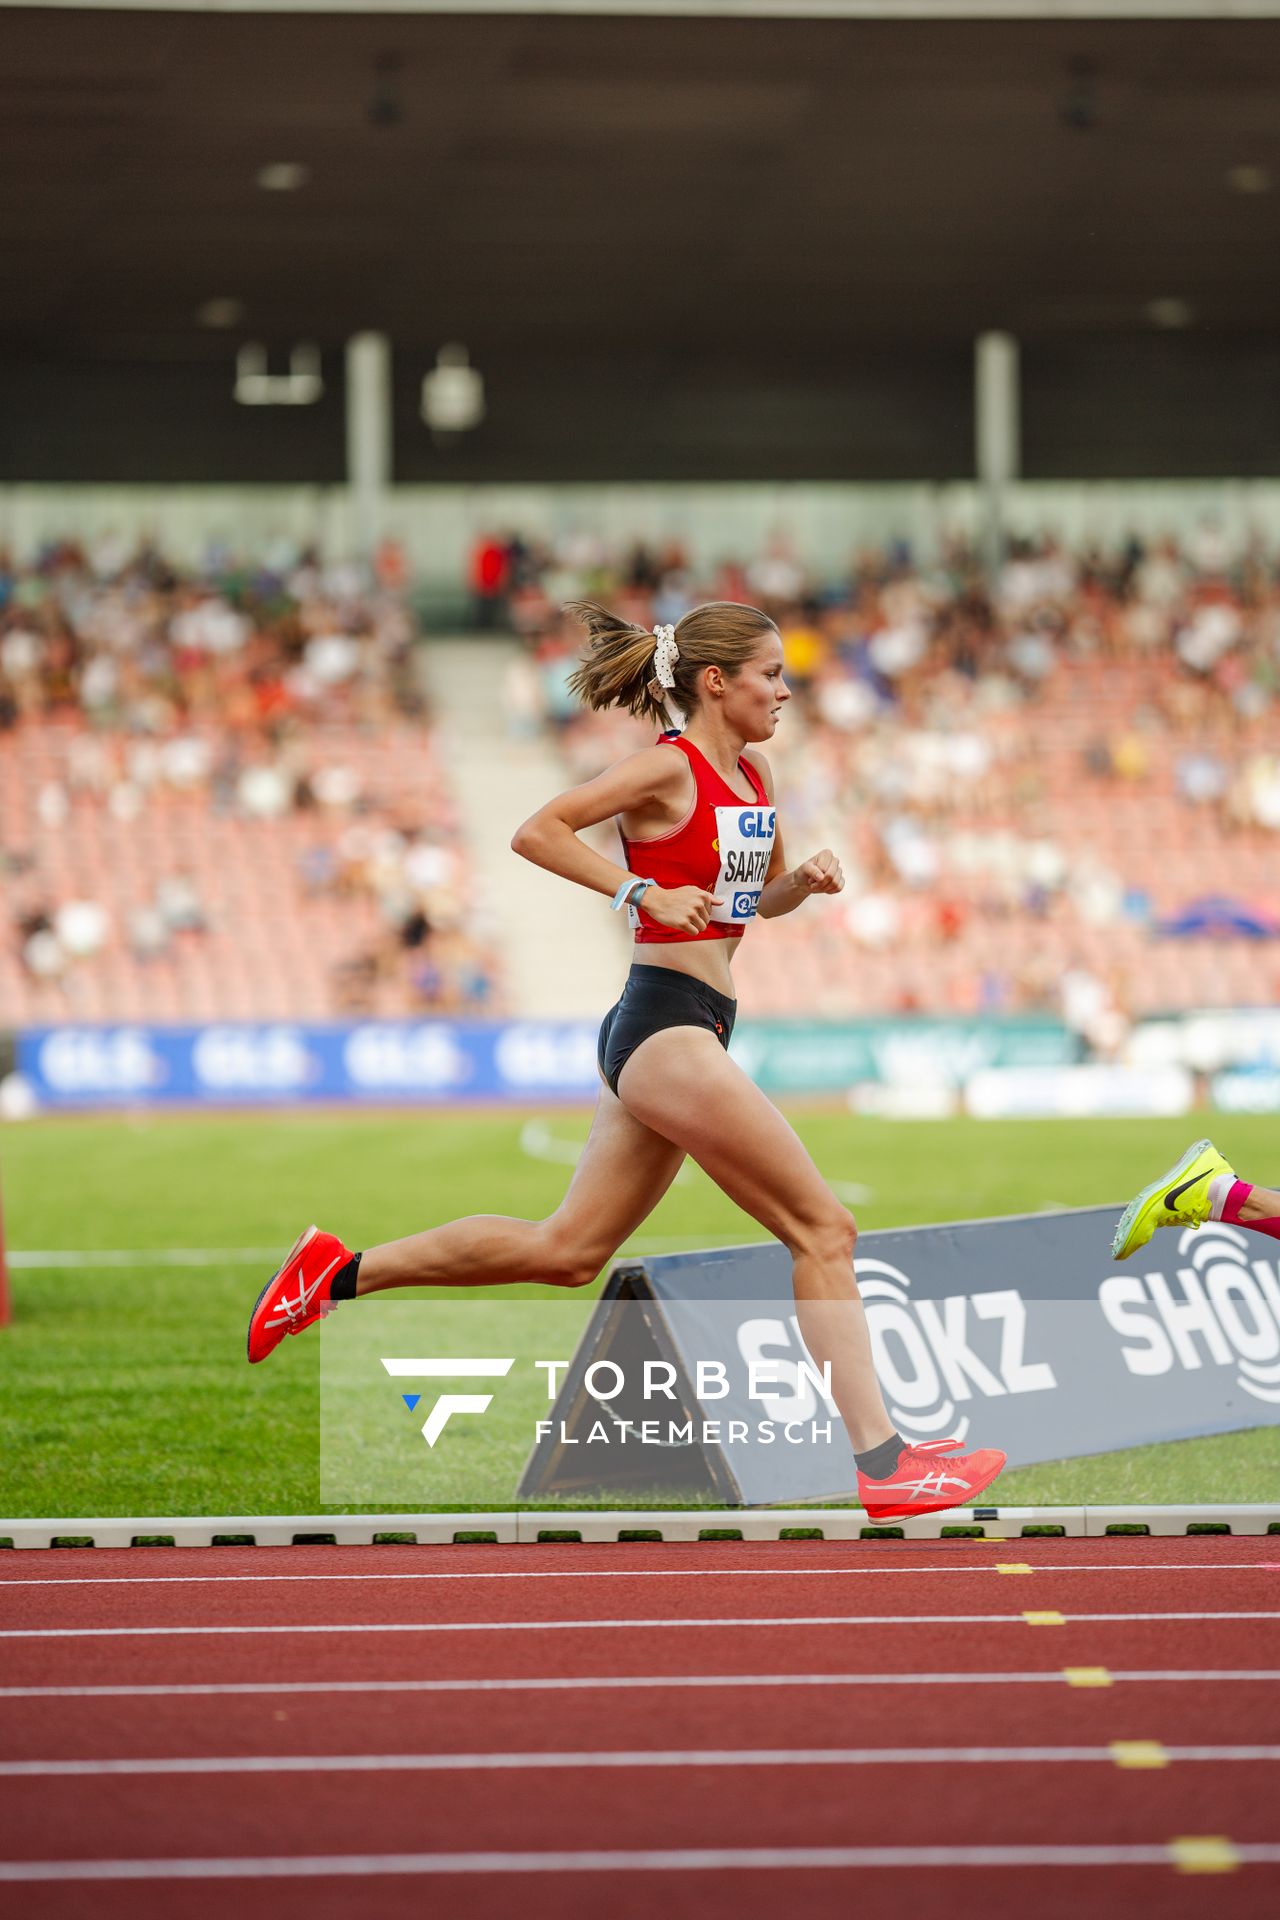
{"type": "Point", "coordinates": [724, 843]}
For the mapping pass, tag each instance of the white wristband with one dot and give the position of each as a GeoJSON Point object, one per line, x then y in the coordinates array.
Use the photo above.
{"type": "Point", "coordinates": [626, 896]}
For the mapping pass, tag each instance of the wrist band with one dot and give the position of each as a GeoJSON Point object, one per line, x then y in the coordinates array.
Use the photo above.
{"type": "Point", "coordinates": [622, 898]}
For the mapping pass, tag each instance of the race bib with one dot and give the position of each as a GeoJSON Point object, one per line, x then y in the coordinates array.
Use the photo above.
{"type": "Point", "coordinates": [744, 836]}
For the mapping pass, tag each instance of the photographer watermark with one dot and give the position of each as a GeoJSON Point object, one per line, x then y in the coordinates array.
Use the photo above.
{"type": "Point", "coordinates": [425, 1403]}
{"type": "Point", "coordinates": [607, 1381]}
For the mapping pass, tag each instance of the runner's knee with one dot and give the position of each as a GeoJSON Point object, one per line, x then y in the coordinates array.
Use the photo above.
{"type": "Point", "coordinates": [830, 1234]}
{"type": "Point", "coordinates": [568, 1261]}
{"type": "Point", "coordinates": [577, 1275]}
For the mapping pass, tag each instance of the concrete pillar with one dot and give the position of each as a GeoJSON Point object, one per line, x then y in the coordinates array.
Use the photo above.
{"type": "Point", "coordinates": [997, 434]}
{"type": "Point", "coordinates": [368, 435]}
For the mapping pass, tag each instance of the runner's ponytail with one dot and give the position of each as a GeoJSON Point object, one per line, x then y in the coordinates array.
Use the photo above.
{"type": "Point", "coordinates": [617, 670]}
{"type": "Point", "coordinates": [618, 667]}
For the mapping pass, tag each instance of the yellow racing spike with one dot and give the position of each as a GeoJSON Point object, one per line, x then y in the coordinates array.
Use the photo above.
{"type": "Point", "coordinates": [1179, 1198]}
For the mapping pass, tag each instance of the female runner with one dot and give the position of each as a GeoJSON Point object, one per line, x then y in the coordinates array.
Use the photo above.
{"type": "Point", "coordinates": [704, 858]}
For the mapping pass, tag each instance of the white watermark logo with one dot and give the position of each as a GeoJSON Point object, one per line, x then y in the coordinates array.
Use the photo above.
{"type": "Point", "coordinates": [603, 1381]}
{"type": "Point", "coordinates": [448, 1403]}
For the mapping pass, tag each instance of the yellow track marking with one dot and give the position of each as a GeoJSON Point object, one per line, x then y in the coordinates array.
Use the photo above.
{"type": "Point", "coordinates": [1204, 1853]}
{"type": "Point", "coordinates": [1139, 1753]}
{"type": "Point", "coordinates": [1087, 1677]}
{"type": "Point", "coordinates": [1046, 1619]}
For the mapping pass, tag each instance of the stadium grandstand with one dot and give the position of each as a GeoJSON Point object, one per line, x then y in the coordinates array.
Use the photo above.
{"type": "Point", "coordinates": [225, 795]}
{"type": "Point", "coordinates": [222, 798]}
{"type": "Point", "coordinates": [1059, 790]}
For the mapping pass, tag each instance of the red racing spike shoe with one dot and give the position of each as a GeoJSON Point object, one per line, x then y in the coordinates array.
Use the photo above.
{"type": "Point", "coordinates": [923, 1483]}
{"type": "Point", "coordinates": [298, 1292]}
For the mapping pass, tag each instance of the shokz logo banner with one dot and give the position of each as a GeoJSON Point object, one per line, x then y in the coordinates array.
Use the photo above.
{"type": "Point", "coordinates": [699, 1376]}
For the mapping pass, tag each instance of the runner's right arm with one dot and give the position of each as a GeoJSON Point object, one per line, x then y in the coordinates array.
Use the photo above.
{"type": "Point", "coordinates": [654, 776]}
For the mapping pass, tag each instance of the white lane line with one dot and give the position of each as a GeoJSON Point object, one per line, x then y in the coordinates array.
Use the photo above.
{"type": "Point", "coordinates": [620, 1682]}
{"type": "Point", "coordinates": [682, 1860]}
{"type": "Point", "coordinates": [267, 1763]}
{"type": "Point", "coordinates": [577, 1683]}
{"type": "Point", "coordinates": [582, 1626]}
{"type": "Point", "coordinates": [537, 1142]}
{"type": "Point", "coordinates": [625, 1573]}
{"type": "Point", "coordinates": [71, 1257]}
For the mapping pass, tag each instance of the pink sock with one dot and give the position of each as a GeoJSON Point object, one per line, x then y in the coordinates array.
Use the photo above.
{"type": "Point", "coordinates": [1231, 1206]}
{"type": "Point", "coordinates": [1227, 1196]}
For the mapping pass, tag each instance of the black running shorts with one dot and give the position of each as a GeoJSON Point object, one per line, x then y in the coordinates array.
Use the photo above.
{"type": "Point", "coordinates": [654, 998]}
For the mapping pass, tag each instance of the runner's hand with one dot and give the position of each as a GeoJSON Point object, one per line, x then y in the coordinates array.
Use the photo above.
{"type": "Point", "coordinates": [683, 909]}
{"type": "Point", "coordinates": [822, 874]}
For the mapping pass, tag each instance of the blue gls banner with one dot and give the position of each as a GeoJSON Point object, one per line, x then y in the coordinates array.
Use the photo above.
{"type": "Point", "coordinates": [243, 1063]}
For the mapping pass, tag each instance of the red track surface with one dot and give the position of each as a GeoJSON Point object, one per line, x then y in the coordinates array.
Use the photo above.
{"type": "Point", "coordinates": [815, 1649]}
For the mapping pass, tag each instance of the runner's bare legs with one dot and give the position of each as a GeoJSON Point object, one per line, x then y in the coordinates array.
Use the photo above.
{"type": "Point", "coordinates": [624, 1171]}
{"type": "Point", "coordinates": [704, 1105]}
{"type": "Point", "coordinates": [681, 1083]}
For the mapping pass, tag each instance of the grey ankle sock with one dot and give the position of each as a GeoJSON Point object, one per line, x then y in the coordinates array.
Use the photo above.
{"type": "Point", "coordinates": [880, 1461]}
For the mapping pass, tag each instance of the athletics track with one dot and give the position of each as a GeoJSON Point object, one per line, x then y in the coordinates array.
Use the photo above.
{"type": "Point", "coordinates": [1033, 1727]}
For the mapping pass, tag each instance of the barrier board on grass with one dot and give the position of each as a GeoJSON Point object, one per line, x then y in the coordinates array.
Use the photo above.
{"type": "Point", "coordinates": [1019, 1333]}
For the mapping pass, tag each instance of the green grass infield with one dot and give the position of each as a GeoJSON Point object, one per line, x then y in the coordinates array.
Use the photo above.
{"type": "Point", "coordinates": [125, 1386]}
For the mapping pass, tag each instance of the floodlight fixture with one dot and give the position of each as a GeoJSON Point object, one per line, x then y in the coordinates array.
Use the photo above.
{"type": "Point", "coordinates": [1249, 179]}
{"type": "Point", "coordinates": [283, 176]}
{"type": "Point", "coordinates": [385, 108]}
{"type": "Point", "coordinates": [223, 310]}
{"type": "Point", "coordinates": [1078, 105]}
{"type": "Point", "coordinates": [1170, 312]}
{"type": "Point", "coordinates": [453, 392]}
{"type": "Point", "coordinates": [302, 386]}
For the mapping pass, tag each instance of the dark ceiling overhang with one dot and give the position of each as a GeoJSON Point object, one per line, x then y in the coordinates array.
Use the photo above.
{"type": "Point", "coordinates": [681, 189]}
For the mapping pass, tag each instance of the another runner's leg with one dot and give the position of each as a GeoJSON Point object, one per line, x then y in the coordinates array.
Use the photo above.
{"type": "Point", "coordinates": [1240, 1205]}
{"type": "Point", "coordinates": [1201, 1186]}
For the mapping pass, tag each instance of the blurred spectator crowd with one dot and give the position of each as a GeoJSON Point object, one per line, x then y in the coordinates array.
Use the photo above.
{"type": "Point", "coordinates": [1054, 792]}
{"type": "Point", "coordinates": [221, 796]}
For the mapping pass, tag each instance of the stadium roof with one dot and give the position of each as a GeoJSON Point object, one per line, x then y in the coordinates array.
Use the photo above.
{"type": "Point", "coordinates": [664, 194]}
{"type": "Point", "coordinates": [681, 184]}
{"type": "Point", "coordinates": [730, 9]}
